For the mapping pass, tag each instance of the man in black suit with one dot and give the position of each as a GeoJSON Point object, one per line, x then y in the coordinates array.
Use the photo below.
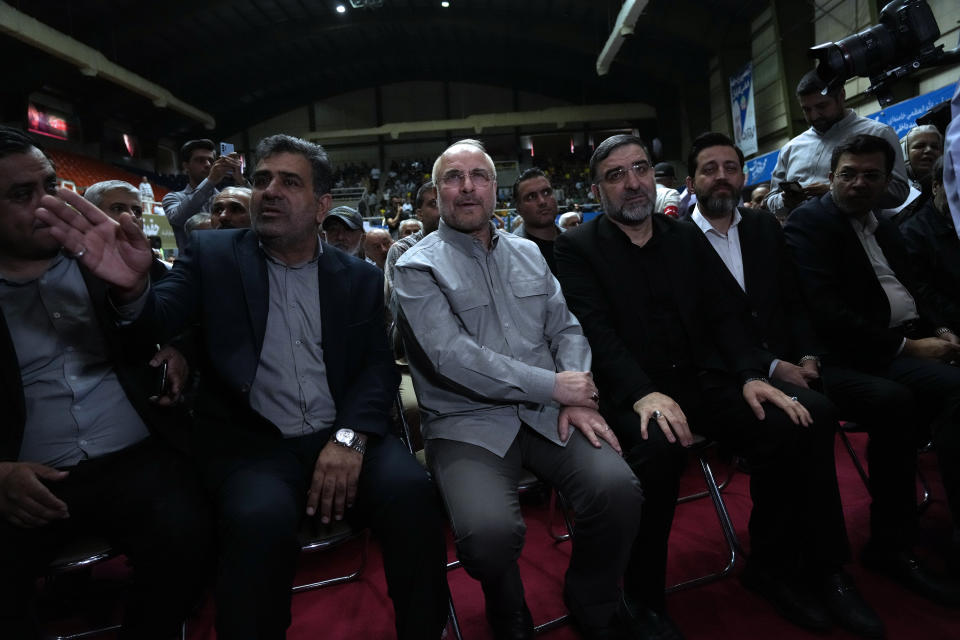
{"type": "Point", "coordinates": [669, 353]}
{"type": "Point", "coordinates": [82, 451]}
{"type": "Point", "coordinates": [857, 279]}
{"type": "Point", "coordinates": [298, 380]}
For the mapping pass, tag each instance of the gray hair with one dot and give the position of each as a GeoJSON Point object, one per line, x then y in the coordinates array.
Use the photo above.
{"type": "Point", "coordinates": [195, 221]}
{"type": "Point", "coordinates": [408, 222]}
{"type": "Point", "coordinates": [95, 192]}
{"type": "Point", "coordinates": [569, 215]}
{"type": "Point", "coordinates": [466, 142]}
{"type": "Point", "coordinates": [247, 192]}
{"type": "Point", "coordinates": [314, 153]}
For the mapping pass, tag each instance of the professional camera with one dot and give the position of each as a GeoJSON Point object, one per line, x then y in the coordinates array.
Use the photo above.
{"type": "Point", "coordinates": [901, 44]}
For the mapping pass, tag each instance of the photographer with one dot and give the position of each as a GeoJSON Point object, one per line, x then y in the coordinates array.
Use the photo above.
{"type": "Point", "coordinates": [804, 162]}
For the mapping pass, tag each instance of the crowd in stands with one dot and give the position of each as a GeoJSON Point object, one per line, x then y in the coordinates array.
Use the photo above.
{"type": "Point", "coordinates": [198, 413]}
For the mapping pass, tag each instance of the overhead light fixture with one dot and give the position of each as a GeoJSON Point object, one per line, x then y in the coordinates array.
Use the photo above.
{"type": "Point", "coordinates": [341, 8]}
{"type": "Point", "coordinates": [445, 4]}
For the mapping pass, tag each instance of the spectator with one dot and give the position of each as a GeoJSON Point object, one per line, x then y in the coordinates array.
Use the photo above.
{"type": "Point", "coordinates": [493, 402]}
{"type": "Point", "coordinates": [570, 220]}
{"type": "Point", "coordinates": [286, 427]}
{"type": "Point", "coordinates": [668, 198]}
{"type": "Point", "coordinates": [872, 317]}
{"type": "Point", "coordinates": [409, 227]}
{"type": "Point", "coordinates": [922, 145]}
{"type": "Point", "coordinates": [115, 197]}
{"type": "Point", "coordinates": [537, 206]}
{"type": "Point", "coordinates": [933, 245]}
{"type": "Point", "coordinates": [204, 172]}
{"type": "Point", "coordinates": [806, 158]}
{"type": "Point", "coordinates": [231, 209]}
{"type": "Point", "coordinates": [343, 228]}
{"type": "Point", "coordinates": [146, 195]}
{"type": "Point", "coordinates": [376, 244]}
{"type": "Point", "coordinates": [671, 355]}
{"type": "Point", "coordinates": [82, 451]}
{"type": "Point", "coordinates": [202, 221]}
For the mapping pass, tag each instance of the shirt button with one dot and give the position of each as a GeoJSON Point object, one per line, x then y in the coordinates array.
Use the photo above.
{"type": "Point", "coordinates": [73, 377]}
{"type": "Point", "coordinates": [298, 342]}
{"type": "Point", "coordinates": [755, 314]}
{"type": "Point", "coordinates": [56, 314]}
{"type": "Point", "coordinates": [83, 442]}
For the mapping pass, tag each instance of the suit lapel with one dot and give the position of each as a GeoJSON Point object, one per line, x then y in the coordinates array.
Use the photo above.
{"type": "Point", "coordinates": [755, 261]}
{"type": "Point", "coordinates": [256, 291]}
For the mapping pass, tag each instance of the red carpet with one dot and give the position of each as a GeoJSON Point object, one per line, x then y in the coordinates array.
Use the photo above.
{"type": "Point", "coordinates": [719, 611]}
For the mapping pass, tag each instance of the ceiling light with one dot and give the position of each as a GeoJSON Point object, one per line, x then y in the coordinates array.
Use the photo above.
{"type": "Point", "coordinates": [444, 4]}
{"type": "Point", "coordinates": [341, 8]}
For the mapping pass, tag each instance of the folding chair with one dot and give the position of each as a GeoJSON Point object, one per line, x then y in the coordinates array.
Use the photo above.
{"type": "Point", "coordinates": [315, 536]}
{"type": "Point", "coordinates": [528, 482]}
{"type": "Point", "coordinates": [81, 554]}
{"type": "Point", "coordinates": [852, 427]}
{"type": "Point", "coordinates": [700, 448]}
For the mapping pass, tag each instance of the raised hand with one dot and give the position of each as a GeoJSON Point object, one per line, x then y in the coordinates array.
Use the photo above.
{"type": "Point", "coordinates": [116, 252]}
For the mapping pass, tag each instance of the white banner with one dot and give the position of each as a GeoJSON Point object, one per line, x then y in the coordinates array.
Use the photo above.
{"type": "Point", "coordinates": [742, 110]}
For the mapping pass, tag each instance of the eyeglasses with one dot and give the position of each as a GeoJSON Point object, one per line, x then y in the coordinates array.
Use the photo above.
{"type": "Point", "coordinates": [457, 178]}
{"type": "Point", "coordinates": [617, 174]}
{"type": "Point", "coordinates": [871, 177]}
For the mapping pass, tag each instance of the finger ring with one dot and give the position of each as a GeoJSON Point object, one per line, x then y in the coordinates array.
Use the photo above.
{"type": "Point", "coordinates": [657, 414]}
{"type": "Point", "coordinates": [795, 398]}
{"type": "Point", "coordinates": [79, 254]}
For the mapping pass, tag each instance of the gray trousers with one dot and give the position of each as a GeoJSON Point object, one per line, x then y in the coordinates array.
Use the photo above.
{"type": "Point", "coordinates": [480, 492]}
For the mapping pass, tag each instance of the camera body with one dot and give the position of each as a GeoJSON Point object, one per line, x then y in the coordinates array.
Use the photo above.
{"type": "Point", "coordinates": [902, 43]}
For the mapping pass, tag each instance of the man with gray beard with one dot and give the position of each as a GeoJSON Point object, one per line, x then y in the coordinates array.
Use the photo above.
{"type": "Point", "coordinates": [670, 354]}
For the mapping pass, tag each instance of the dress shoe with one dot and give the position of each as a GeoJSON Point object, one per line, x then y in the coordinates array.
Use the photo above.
{"type": "Point", "coordinates": [511, 625]}
{"type": "Point", "coordinates": [791, 600]}
{"type": "Point", "coordinates": [641, 623]}
{"type": "Point", "coordinates": [904, 567]}
{"type": "Point", "coordinates": [848, 608]}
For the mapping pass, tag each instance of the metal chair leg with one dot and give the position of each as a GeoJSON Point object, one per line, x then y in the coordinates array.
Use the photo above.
{"type": "Point", "coordinates": [729, 533]}
{"type": "Point", "coordinates": [556, 498]}
{"type": "Point", "coordinates": [854, 457]}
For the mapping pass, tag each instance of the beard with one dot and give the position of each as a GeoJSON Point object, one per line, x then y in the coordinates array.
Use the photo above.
{"type": "Point", "coordinates": [631, 215]}
{"type": "Point", "coordinates": [714, 207]}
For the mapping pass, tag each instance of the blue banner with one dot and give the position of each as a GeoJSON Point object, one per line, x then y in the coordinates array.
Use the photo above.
{"type": "Point", "coordinates": [903, 115]}
{"type": "Point", "coordinates": [760, 169]}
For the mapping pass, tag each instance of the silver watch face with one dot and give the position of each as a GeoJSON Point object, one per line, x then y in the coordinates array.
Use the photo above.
{"type": "Point", "coordinates": [345, 436]}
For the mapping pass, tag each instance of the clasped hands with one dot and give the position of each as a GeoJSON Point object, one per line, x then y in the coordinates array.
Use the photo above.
{"type": "Point", "coordinates": [576, 391]}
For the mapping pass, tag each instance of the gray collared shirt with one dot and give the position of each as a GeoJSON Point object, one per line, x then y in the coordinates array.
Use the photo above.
{"type": "Point", "coordinates": [903, 308]}
{"type": "Point", "coordinates": [493, 329]}
{"type": "Point", "coordinates": [179, 206]}
{"type": "Point", "coordinates": [76, 408]}
{"type": "Point", "coordinates": [290, 387]}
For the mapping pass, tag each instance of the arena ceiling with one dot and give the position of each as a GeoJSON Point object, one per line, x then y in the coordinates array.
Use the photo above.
{"type": "Point", "coordinates": [243, 61]}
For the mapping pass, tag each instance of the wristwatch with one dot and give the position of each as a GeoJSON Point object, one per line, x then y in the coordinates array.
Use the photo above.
{"type": "Point", "coordinates": [350, 439]}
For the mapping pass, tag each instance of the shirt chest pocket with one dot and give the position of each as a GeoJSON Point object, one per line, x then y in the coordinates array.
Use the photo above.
{"type": "Point", "coordinates": [470, 306]}
{"type": "Point", "coordinates": [530, 296]}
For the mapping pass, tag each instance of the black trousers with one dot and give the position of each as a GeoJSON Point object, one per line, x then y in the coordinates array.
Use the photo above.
{"type": "Point", "coordinates": [888, 411]}
{"type": "Point", "coordinates": [260, 496]}
{"type": "Point", "coordinates": [928, 402]}
{"type": "Point", "coordinates": [796, 526]}
{"type": "Point", "coordinates": [146, 501]}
